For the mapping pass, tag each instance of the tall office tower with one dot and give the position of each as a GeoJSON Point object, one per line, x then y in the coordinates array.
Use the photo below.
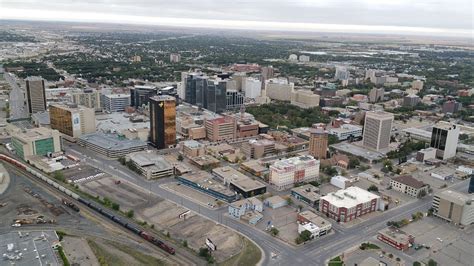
{"type": "Point", "coordinates": [175, 58]}
{"type": "Point", "coordinates": [215, 96]}
{"type": "Point", "coordinates": [71, 119]}
{"type": "Point", "coordinates": [377, 129]}
{"type": "Point", "coordinates": [267, 73]}
{"type": "Point", "coordinates": [341, 73]}
{"type": "Point", "coordinates": [140, 95]}
{"type": "Point", "coordinates": [471, 185]}
{"type": "Point", "coordinates": [444, 138]}
{"type": "Point", "coordinates": [163, 121]}
{"type": "Point", "coordinates": [318, 143]}
{"type": "Point", "coordinates": [234, 100]}
{"type": "Point", "coordinates": [191, 81]}
{"type": "Point", "coordinates": [376, 94]}
{"type": "Point", "coordinates": [88, 98]}
{"type": "Point", "coordinates": [35, 94]}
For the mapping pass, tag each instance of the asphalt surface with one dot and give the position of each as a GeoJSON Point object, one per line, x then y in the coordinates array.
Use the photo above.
{"type": "Point", "coordinates": [312, 253]}
{"type": "Point", "coordinates": [17, 98]}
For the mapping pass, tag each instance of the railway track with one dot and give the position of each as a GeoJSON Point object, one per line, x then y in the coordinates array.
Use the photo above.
{"type": "Point", "coordinates": [183, 257]}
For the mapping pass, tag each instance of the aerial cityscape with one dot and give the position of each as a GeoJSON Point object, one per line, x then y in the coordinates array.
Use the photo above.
{"type": "Point", "coordinates": [250, 134]}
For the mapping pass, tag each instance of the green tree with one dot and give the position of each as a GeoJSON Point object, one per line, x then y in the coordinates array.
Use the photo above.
{"type": "Point", "coordinates": [130, 213]}
{"type": "Point", "coordinates": [274, 231]}
{"type": "Point", "coordinates": [180, 158]}
{"type": "Point", "coordinates": [432, 262]}
{"type": "Point", "coordinates": [353, 162]}
{"type": "Point", "coordinates": [373, 188]}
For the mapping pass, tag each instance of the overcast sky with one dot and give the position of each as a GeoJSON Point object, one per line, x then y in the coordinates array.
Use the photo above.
{"type": "Point", "coordinates": [434, 17]}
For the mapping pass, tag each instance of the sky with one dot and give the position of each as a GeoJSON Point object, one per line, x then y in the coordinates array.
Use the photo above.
{"type": "Point", "coordinates": [420, 17]}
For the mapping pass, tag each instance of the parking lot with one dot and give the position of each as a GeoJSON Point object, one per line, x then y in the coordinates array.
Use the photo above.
{"type": "Point", "coordinates": [83, 173]}
{"type": "Point", "coordinates": [448, 244]}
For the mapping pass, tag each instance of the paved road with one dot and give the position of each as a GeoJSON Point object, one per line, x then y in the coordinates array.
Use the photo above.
{"type": "Point", "coordinates": [18, 107]}
{"type": "Point", "coordinates": [312, 253]}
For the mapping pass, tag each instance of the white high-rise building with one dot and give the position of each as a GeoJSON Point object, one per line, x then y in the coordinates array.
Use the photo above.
{"type": "Point", "coordinates": [342, 73]}
{"type": "Point", "coordinates": [252, 87]}
{"type": "Point", "coordinates": [279, 89]}
{"type": "Point", "coordinates": [304, 58]}
{"type": "Point", "coordinates": [293, 57]}
{"type": "Point", "coordinates": [445, 139]}
{"type": "Point", "coordinates": [417, 85]}
{"type": "Point", "coordinates": [377, 129]}
{"type": "Point", "coordinates": [116, 102]}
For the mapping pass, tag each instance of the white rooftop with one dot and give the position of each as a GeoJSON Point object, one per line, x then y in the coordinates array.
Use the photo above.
{"type": "Point", "coordinates": [349, 197]}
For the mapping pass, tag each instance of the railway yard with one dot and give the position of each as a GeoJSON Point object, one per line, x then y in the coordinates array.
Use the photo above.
{"type": "Point", "coordinates": [30, 206]}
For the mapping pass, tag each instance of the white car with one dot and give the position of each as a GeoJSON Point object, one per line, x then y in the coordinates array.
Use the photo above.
{"type": "Point", "coordinates": [16, 225]}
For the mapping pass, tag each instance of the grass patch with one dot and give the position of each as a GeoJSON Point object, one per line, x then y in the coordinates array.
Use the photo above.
{"type": "Point", "coordinates": [367, 246]}
{"type": "Point", "coordinates": [106, 258]}
{"type": "Point", "coordinates": [63, 256]}
{"type": "Point", "coordinates": [250, 255]}
{"type": "Point", "coordinates": [337, 261]}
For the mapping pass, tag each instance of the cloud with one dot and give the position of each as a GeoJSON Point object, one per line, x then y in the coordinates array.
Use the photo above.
{"type": "Point", "coordinates": [445, 16]}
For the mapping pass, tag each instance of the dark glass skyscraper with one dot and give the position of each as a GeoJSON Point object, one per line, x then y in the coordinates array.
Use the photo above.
{"type": "Point", "coordinates": [471, 185]}
{"type": "Point", "coordinates": [162, 121]}
{"type": "Point", "coordinates": [140, 95]}
{"type": "Point", "coordinates": [205, 93]}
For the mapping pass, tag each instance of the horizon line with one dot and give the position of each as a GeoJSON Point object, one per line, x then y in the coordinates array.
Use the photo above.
{"type": "Point", "coordinates": [252, 25]}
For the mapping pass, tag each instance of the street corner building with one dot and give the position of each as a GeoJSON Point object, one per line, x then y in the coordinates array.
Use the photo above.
{"type": "Point", "coordinates": [163, 121]}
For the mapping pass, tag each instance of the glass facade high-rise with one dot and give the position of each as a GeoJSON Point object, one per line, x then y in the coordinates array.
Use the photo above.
{"type": "Point", "coordinates": [205, 93]}
{"type": "Point", "coordinates": [35, 94]}
{"type": "Point", "coordinates": [444, 138]}
{"type": "Point", "coordinates": [471, 185]}
{"type": "Point", "coordinates": [140, 95]}
{"type": "Point", "coordinates": [163, 121]}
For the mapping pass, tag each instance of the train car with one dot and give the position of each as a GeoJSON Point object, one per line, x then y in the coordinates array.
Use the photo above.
{"type": "Point", "coordinates": [147, 236]}
{"type": "Point", "coordinates": [133, 229]}
{"type": "Point", "coordinates": [107, 214]}
{"type": "Point", "coordinates": [167, 248]}
{"type": "Point", "coordinates": [70, 204]}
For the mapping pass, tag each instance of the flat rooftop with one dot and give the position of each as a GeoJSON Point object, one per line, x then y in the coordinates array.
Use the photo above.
{"type": "Point", "coordinates": [118, 122]}
{"type": "Point", "coordinates": [150, 158]}
{"type": "Point", "coordinates": [205, 180]}
{"type": "Point", "coordinates": [111, 141]}
{"type": "Point", "coordinates": [204, 160]}
{"type": "Point", "coordinates": [35, 248]}
{"type": "Point", "coordinates": [349, 197]}
{"type": "Point", "coordinates": [314, 218]}
{"type": "Point", "coordinates": [192, 144]}
{"type": "Point", "coordinates": [238, 179]}
{"type": "Point", "coordinates": [293, 161]}
{"type": "Point", "coordinates": [308, 191]}
{"type": "Point", "coordinates": [395, 234]}
{"type": "Point", "coordinates": [36, 133]}
{"type": "Point", "coordinates": [254, 165]}
{"type": "Point", "coordinates": [358, 151]}
{"type": "Point", "coordinates": [456, 197]}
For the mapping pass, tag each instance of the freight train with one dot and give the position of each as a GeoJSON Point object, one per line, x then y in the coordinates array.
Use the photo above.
{"type": "Point", "coordinates": [115, 218]}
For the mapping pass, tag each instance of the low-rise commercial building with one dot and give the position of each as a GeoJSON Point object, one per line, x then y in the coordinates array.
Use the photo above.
{"type": "Point", "coordinates": [36, 141]}
{"type": "Point", "coordinates": [396, 238]}
{"type": "Point", "coordinates": [348, 204]}
{"type": "Point", "coordinates": [323, 226]}
{"type": "Point", "coordinates": [239, 208]}
{"type": "Point", "coordinates": [239, 182]}
{"type": "Point", "coordinates": [408, 185]}
{"type": "Point", "coordinates": [254, 167]}
{"type": "Point", "coordinates": [454, 207]}
{"type": "Point", "coordinates": [255, 149]}
{"type": "Point", "coordinates": [339, 181]}
{"type": "Point", "coordinates": [150, 164]}
{"type": "Point", "coordinates": [285, 173]}
{"type": "Point", "coordinates": [223, 128]}
{"type": "Point", "coordinates": [426, 154]}
{"type": "Point", "coordinates": [308, 193]}
{"type": "Point", "coordinates": [205, 161]}
{"type": "Point", "coordinates": [275, 202]}
{"type": "Point", "coordinates": [192, 148]}
{"type": "Point", "coordinates": [346, 131]}
{"type": "Point", "coordinates": [205, 183]}
{"type": "Point", "coordinates": [111, 145]}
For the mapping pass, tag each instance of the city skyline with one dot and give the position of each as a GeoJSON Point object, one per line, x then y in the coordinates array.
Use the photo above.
{"type": "Point", "coordinates": [428, 17]}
